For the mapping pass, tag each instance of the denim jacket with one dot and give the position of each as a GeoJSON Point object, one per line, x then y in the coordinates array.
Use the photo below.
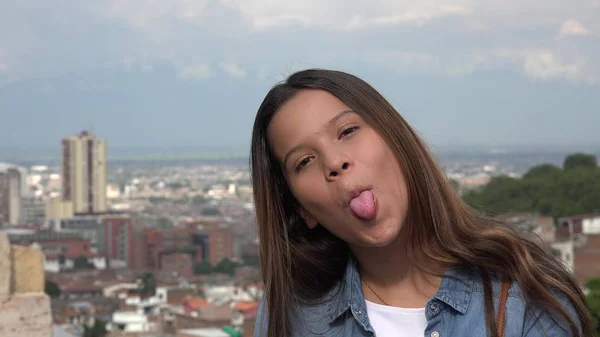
{"type": "Point", "coordinates": [457, 309]}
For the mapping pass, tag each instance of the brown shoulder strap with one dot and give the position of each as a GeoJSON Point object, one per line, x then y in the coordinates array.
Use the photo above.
{"type": "Point", "coordinates": [500, 320]}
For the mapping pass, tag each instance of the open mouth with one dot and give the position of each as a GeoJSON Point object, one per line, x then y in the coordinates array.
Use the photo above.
{"type": "Point", "coordinates": [363, 205]}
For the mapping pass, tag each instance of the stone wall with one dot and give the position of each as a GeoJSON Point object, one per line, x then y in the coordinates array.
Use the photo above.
{"type": "Point", "coordinates": [24, 307]}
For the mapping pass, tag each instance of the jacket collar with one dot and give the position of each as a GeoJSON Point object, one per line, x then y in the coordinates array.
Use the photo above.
{"type": "Point", "coordinates": [455, 290]}
{"type": "Point", "coordinates": [348, 292]}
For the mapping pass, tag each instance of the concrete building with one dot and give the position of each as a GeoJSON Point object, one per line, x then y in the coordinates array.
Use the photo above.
{"type": "Point", "coordinates": [220, 238]}
{"type": "Point", "coordinates": [565, 252]}
{"type": "Point", "coordinates": [10, 196]}
{"type": "Point", "coordinates": [88, 226]}
{"type": "Point", "coordinates": [83, 172]}
{"type": "Point", "coordinates": [174, 250]}
{"type": "Point", "coordinates": [220, 241]}
{"type": "Point", "coordinates": [24, 172]}
{"type": "Point", "coordinates": [56, 208]}
{"type": "Point", "coordinates": [587, 257]}
{"type": "Point", "coordinates": [120, 241]}
{"type": "Point", "coordinates": [533, 226]}
{"type": "Point", "coordinates": [24, 307]}
{"type": "Point", "coordinates": [60, 249]}
{"type": "Point", "coordinates": [32, 211]}
{"type": "Point", "coordinates": [129, 322]}
{"type": "Point", "coordinates": [583, 233]}
{"type": "Point", "coordinates": [579, 224]}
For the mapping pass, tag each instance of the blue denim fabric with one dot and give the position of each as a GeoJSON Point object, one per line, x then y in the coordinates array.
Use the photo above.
{"type": "Point", "coordinates": [458, 309]}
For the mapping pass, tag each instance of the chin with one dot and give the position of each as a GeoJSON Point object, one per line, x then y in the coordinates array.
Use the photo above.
{"type": "Point", "coordinates": [378, 238]}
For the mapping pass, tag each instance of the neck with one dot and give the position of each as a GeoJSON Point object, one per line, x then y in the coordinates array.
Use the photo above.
{"type": "Point", "coordinates": [384, 266]}
{"type": "Point", "coordinates": [391, 272]}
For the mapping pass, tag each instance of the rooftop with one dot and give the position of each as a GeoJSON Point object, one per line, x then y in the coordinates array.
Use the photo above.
{"type": "Point", "coordinates": [581, 216]}
{"type": "Point", "coordinates": [205, 332]}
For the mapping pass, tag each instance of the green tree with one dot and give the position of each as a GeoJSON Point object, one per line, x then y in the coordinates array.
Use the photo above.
{"type": "Point", "coordinates": [251, 260]}
{"type": "Point", "coordinates": [82, 262]}
{"type": "Point", "coordinates": [501, 194]}
{"type": "Point", "coordinates": [147, 285]}
{"type": "Point", "coordinates": [455, 184]}
{"type": "Point", "coordinates": [97, 330]}
{"type": "Point", "coordinates": [546, 189]}
{"type": "Point", "coordinates": [174, 186]}
{"type": "Point", "coordinates": [226, 266]}
{"type": "Point", "coordinates": [542, 171]}
{"type": "Point", "coordinates": [577, 160]}
{"type": "Point", "coordinates": [203, 268]}
{"type": "Point", "coordinates": [593, 299]}
{"type": "Point", "coordinates": [198, 200]}
{"type": "Point", "coordinates": [51, 289]}
{"type": "Point", "coordinates": [180, 201]}
{"type": "Point", "coordinates": [210, 211]}
{"type": "Point", "coordinates": [157, 200]}
{"type": "Point", "coordinates": [164, 223]}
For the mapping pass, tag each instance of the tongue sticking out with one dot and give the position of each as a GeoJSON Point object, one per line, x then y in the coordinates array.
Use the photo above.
{"type": "Point", "coordinates": [363, 206]}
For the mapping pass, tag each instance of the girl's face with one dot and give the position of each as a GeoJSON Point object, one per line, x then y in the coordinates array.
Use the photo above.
{"type": "Point", "coordinates": [340, 170]}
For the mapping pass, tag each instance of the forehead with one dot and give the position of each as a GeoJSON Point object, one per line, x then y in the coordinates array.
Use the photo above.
{"type": "Point", "coordinates": [305, 114]}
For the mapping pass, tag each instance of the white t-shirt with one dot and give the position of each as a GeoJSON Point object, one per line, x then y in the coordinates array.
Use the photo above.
{"type": "Point", "coordinates": [396, 322]}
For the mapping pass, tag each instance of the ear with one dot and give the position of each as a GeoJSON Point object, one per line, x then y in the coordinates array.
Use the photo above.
{"type": "Point", "coordinates": [311, 222]}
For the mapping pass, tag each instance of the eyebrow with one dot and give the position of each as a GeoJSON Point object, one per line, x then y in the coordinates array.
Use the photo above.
{"type": "Point", "coordinates": [332, 121]}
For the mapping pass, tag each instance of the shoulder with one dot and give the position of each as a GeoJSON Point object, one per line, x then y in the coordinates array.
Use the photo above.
{"type": "Point", "coordinates": [524, 317]}
{"type": "Point", "coordinates": [539, 321]}
{"type": "Point", "coordinates": [305, 320]}
{"type": "Point", "coordinates": [261, 322]}
{"type": "Point", "coordinates": [323, 315]}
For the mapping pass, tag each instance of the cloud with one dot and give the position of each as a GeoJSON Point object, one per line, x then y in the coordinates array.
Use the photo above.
{"type": "Point", "coordinates": [406, 61]}
{"type": "Point", "coordinates": [571, 28]}
{"type": "Point", "coordinates": [418, 17]}
{"type": "Point", "coordinates": [204, 39]}
{"type": "Point", "coordinates": [197, 71]}
{"type": "Point", "coordinates": [145, 14]}
{"type": "Point", "coordinates": [544, 65]}
{"type": "Point", "coordinates": [547, 65]}
{"type": "Point", "coordinates": [233, 70]}
{"type": "Point", "coordinates": [448, 64]}
{"type": "Point", "coordinates": [145, 67]}
{"type": "Point", "coordinates": [261, 74]}
{"type": "Point", "coordinates": [534, 63]}
{"type": "Point", "coordinates": [135, 64]}
{"type": "Point", "coordinates": [344, 15]}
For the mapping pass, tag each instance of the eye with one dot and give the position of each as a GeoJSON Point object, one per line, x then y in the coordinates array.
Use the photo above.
{"type": "Point", "coordinates": [303, 163]}
{"type": "Point", "coordinates": [348, 131]}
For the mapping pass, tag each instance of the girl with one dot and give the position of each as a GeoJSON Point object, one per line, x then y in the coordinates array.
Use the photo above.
{"type": "Point", "coordinates": [361, 234]}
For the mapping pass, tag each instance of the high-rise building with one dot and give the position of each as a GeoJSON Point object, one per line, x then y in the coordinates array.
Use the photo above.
{"type": "Point", "coordinates": [32, 211]}
{"type": "Point", "coordinates": [220, 243]}
{"type": "Point", "coordinates": [10, 196]}
{"type": "Point", "coordinates": [219, 236]}
{"type": "Point", "coordinates": [118, 235]}
{"type": "Point", "coordinates": [83, 168]}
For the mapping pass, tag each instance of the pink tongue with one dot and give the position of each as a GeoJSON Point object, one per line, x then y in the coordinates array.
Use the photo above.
{"type": "Point", "coordinates": [363, 205]}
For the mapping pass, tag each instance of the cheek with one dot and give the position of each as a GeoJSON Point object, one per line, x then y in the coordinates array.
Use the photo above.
{"type": "Point", "coordinates": [376, 148]}
{"type": "Point", "coordinates": [314, 197]}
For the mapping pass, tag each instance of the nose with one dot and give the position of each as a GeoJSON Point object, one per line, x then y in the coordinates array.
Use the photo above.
{"type": "Point", "coordinates": [336, 166]}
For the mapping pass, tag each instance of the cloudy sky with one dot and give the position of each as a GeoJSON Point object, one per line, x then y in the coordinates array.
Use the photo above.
{"type": "Point", "coordinates": [184, 73]}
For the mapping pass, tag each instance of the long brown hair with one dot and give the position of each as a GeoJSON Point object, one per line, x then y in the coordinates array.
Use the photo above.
{"type": "Point", "coordinates": [301, 266]}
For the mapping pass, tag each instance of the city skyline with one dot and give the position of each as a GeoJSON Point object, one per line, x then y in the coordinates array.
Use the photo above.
{"type": "Point", "coordinates": [51, 154]}
{"type": "Point", "coordinates": [164, 75]}
{"type": "Point", "coordinates": [127, 201]}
